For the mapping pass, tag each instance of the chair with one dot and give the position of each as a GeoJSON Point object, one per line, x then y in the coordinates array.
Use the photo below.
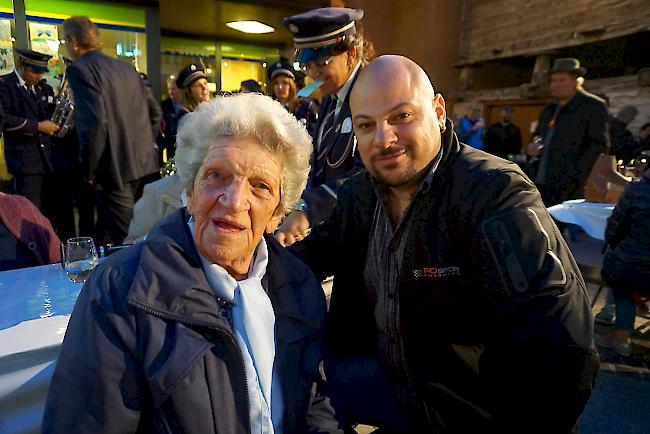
{"type": "Point", "coordinates": [592, 275]}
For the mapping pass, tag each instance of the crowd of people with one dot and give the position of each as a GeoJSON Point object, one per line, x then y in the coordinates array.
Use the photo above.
{"type": "Point", "coordinates": [457, 305]}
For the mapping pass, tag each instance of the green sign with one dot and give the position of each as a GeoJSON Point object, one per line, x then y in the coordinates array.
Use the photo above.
{"type": "Point", "coordinates": [104, 13]}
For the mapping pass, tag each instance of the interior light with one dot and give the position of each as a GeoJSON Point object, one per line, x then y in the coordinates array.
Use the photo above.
{"type": "Point", "coordinates": [250, 27]}
{"type": "Point", "coordinates": [263, 64]}
{"type": "Point", "coordinates": [208, 70]}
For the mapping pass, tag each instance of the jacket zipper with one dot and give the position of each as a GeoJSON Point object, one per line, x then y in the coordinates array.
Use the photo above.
{"type": "Point", "coordinates": [203, 324]}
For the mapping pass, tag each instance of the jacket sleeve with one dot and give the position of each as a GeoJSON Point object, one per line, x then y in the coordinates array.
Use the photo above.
{"type": "Point", "coordinates": [538, 351]}
{"type": "Point", "coordinates": [597, 140]}
{"type": "Point", "coordinates": [95, 386]}
{"type": "Point", "coordinates": [319, 249]}
{"type": "Point", "coordinates": [618, 224]}
{"type": "Point", "coordinates": [11, 122]}
{"type": "Point", "coordinates": [322, 199]}
{"type": "Point", "coordinates": [90, 120]}
{"type": "Point", "coordinates": [147, 211]}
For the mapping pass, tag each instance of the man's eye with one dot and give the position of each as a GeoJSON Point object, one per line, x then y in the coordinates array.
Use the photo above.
{"type": "Point", "coordinates": [363, 125]}
{"type": "Point", "coordinates": [404, 115]}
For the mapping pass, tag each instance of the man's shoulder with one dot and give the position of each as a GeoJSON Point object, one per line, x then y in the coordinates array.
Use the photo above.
{"type": "Point", "coordinates": [587, 98]}
{"type": "Point", "coordinates": [475, 168]}
{"type": "Point", "coordinates": [8, 79]}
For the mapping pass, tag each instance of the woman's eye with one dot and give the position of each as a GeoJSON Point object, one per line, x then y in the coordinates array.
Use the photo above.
{"type": "Point", "coordinates": [262, 186]}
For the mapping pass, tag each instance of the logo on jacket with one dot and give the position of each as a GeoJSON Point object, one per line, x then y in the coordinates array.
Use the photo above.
{"type": "Point", "coordinates": [435, 272]}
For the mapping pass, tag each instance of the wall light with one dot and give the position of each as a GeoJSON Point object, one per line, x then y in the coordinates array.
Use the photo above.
{"type": "Point", "coordinates": [250, 27]}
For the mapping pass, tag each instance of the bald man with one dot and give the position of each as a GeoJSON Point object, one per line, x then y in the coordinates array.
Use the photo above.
{"type": "Point", "coordinates": [456, 306]}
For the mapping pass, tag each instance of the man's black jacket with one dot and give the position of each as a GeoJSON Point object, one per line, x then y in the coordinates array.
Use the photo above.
{"type": "Point", "coordinates": [115, 119]}
{"type": "Point", "coordinates": [496, 323]}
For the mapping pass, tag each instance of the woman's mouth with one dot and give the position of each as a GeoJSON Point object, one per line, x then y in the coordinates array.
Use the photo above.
{"type": "Point", "coordinates": [226, 226]}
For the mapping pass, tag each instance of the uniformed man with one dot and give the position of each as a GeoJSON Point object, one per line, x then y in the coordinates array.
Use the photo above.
{"type": "Point", "coordinates": [331, 50]}
{"type": "Point", "coordinates": [33, 156]}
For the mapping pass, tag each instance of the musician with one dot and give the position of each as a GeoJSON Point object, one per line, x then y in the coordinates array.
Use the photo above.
{"type": "Point", "coordinates": [35, 158]}
{"type": "Point", "coordinates": [330, 48]}
{"type": "Point", "coordinates": [114, 125]}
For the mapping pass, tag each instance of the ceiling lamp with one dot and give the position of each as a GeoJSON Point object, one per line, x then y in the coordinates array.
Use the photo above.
{"type": "Point", "coordinates": [250, 27]}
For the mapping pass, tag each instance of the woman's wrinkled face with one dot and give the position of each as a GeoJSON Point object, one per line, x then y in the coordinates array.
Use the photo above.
{"type": "Point", "coordinates": [234, 200]}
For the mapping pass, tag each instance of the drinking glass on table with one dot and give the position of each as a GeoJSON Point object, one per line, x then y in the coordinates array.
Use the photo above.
{"type": "Point", "coordinates": [79, 257]}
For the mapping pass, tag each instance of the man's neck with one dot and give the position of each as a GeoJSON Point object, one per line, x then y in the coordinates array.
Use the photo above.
{"type": "Point", "coordinates": [398, 200]}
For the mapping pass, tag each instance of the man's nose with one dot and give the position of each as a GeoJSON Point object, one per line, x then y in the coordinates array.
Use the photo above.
{"type": "Point", "coordinates": [385, 135]}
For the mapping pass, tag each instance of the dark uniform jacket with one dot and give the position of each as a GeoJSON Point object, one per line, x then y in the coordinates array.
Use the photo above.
{"type": "Point", "coordinates": [27, 151]}
{"type": "Point", "coordinates": [334, 159]}
{"type": "Point", "coordinates": [579, 136]}
{"type": "Point", "coordinates": [496, 325]}
{"type": "Point", "coordinates": [627, 261]}
{"type": "Point", "coordinates": [146, 349]}
{"type": "Point", "coordinates": [113, 123]}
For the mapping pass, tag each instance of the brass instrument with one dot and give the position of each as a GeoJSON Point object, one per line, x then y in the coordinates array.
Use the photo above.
{"type": "Point", "coordinates": [63, 114]}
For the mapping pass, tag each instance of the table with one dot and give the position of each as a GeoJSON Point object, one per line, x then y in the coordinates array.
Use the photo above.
{"type": "Point", "coordinates": [35, 306]}
{"type": "Point", "coordinates": [591, 217]}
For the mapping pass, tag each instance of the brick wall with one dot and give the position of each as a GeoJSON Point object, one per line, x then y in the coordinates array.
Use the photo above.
{"type": "Point", "coordinates": [493, 29]}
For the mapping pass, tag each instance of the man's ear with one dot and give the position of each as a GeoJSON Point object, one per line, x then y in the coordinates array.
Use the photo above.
{"type": "Point", "coordinates": [440, 110]}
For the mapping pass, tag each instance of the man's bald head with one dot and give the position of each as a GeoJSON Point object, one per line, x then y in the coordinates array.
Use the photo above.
{"type": "Point", "coordinates": [387, 70]}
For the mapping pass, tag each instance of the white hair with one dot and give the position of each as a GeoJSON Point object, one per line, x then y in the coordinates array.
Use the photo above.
{"type": "Point", "coordinates": [246, 115]}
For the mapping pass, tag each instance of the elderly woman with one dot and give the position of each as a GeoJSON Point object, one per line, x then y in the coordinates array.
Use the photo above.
{"type": "Point", "coordinates": [209, 325]}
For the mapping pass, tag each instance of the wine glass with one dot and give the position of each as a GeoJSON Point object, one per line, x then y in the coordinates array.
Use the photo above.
{"type": "Point", "coordinates": [79, 257]}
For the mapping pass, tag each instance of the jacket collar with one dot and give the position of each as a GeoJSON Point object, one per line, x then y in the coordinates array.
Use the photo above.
{"type": "Point", "coordinates": [170, 281]}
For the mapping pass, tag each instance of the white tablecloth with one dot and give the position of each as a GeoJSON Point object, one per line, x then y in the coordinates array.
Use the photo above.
{"type": "Point", "coordinates": [35, 305]}
{"type": "Point", "coordinates": [591, 217]}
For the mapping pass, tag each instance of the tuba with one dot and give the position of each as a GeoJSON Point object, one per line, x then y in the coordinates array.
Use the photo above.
{"type": "Point", "coordinates": [64, 106]}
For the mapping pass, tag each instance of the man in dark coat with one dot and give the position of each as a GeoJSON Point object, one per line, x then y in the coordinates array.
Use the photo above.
{"type": "Point", "coordinates": [503, 138]}
{"type": "Point", "coordinates": [113, 125]}
{"type": "Point", "coordinates": [332, 51]}
{"type": "Point", "coordinates": [456, 306]}
{"type": "Point", "coordinates": [37, 161]}
{"type": "Point", "coordinates": [574, 132]}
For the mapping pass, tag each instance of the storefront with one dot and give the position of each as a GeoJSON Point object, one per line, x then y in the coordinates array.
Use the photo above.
{"type": "Point", "coordinates": [225, 64]}
{"type": "Point", "coordinates": [122, 30]}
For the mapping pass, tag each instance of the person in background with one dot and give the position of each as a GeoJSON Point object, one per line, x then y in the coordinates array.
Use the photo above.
{"type": "Point", "coordinates": [26, 236]}
{"type": "Point", "coordinates": [250, 86]}
{"type": "Point", "coordinates": [623, 145]}
{"type": "Point", "coordinates": [194, 82]}
{"type": "Point", "coordinates": [471, 126]}
{"type": "Point", "coordinates": [457, 306]}
{"type": "Point", "coordinates": [35, 158]}
{"type": "Point", "coordinates": [331, 49]}
{"type": "Point", "coordinates": [642, 141]}
{"type": "Point", "coordinates": [626, 264]}
{"type": "Point", "coordinates": [573, 130]}
{"type": "Point", "coordinates": [170, 107]}
{"type": "Point", "coordinates": [503, 138]}
{"type": "Point", "coordinates": [114, 126]}
{"type": "Point", "coordinates": [283, 88]}
{"type": "Point", "coordinates": [209, 325]}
